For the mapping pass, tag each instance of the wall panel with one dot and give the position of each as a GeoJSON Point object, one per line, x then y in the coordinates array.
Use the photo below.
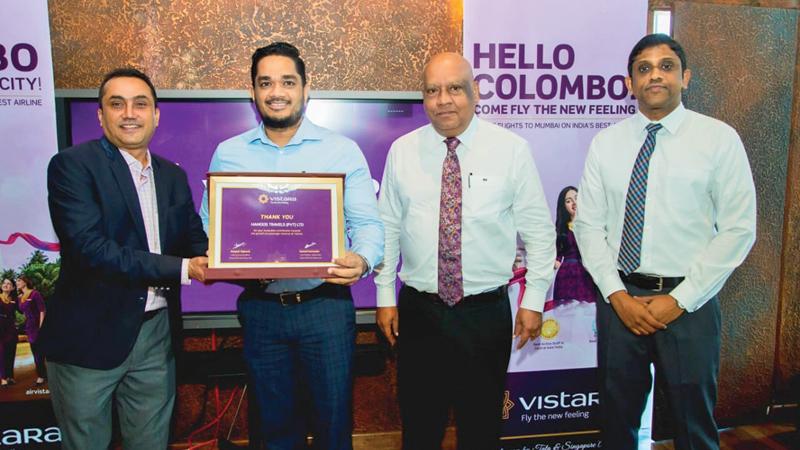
{"type": "Point", "coordinates": [206, 44]}
{"type": "Point", "coordinates": [743, 63]}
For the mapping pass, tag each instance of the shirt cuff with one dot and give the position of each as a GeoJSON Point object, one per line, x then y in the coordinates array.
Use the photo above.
{"type": "Point", "coordinates": [610, 284]}
{"type": "Point", "coordinates": [386, 295]}
{"type": "Point", "coordinates": [185, 272]}
{"type": "Point", "coordinates": [371, 257]}
{"type": "Point", "coordinates": [686, 297]}
{"type": "Point", "coordinates": [533, 300]}
{"type": "Point", "coordinates": [367, 266]}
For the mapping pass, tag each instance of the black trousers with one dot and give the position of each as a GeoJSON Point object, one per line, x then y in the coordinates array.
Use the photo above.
{"type": "Point", "coordinates": [686, 355]}
{"type": "Point", "coordinates": [452, 357]}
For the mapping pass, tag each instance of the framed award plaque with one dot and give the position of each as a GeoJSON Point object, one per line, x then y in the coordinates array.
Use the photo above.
{"type": "Point", "coordinates": [274, 225]}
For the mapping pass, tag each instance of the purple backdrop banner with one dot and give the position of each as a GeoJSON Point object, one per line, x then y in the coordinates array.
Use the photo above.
{"type": "Point", "coordinates": [189, 131]}
{"type": "Point", "coordinates": [27, 241]}
{"type": "Point", "coordinates": [554, 73]}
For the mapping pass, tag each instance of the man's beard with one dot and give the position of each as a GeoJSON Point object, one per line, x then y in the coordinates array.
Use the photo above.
{"type": "Point", "coordinates": [287, 122]}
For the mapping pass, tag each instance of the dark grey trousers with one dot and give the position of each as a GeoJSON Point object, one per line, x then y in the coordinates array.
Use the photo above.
{"type": "Point", "coordinates": [144, 387]}
{"type": "Point", "coordinates": [686, 356]}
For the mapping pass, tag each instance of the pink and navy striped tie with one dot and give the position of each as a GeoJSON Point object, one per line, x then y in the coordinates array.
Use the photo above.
{"type": "Point", "coordinates": [451, 281]}
{"type": "Point", "coordinates": [630, 249]}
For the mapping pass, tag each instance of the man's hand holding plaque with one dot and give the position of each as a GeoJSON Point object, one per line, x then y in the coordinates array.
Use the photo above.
{"type": "Point", "coordinates": [197, 268]}
{"type": "Point", "coordinates": [351, 267]}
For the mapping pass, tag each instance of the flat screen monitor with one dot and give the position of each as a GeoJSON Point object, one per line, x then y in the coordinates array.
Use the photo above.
{"type": "Point", "coordinates": [190, 129]}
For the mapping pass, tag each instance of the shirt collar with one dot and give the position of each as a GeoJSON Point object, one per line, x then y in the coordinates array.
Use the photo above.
{"type": "Point", "coordinates": [671, 122]}
{"type": "Point", "coordinates": [308, 131]}
{"type": "Point", "coordinates": [466, 137]}
{"type": "Point", "coordinates": [131, 161]}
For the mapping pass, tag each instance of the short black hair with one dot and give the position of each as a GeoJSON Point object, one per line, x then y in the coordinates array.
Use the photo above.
{"type": "Point", "coordinates": [654, 40]}
{"type": "Point", "coordinates": [126, 72]}
{"type": "Point", "coordinates": [281, 49]}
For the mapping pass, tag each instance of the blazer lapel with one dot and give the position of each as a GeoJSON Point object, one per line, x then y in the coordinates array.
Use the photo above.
{"type": "Point", "coordinates": [125, 182]}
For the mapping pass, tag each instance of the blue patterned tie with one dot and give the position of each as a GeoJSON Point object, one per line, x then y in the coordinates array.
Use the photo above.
{"type": "Point", "coordinates": [630, 249]}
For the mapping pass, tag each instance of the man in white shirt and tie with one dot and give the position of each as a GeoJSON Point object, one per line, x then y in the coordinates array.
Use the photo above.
{"type": "Point", "coordinates": [668, 211]}
{"type": "Point", "coordinates": [455, 194]}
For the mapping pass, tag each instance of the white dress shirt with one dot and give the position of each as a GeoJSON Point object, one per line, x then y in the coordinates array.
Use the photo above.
{"type": "Point", "coordinates": [700, 210]}
{"type": "Point", "coordinates": [144, 182]}
{"type": "Point", "coordinates": [502, 196]}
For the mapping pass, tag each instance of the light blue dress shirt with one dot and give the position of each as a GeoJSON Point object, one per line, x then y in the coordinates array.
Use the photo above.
{"type": "Point", "coordinates": [311, 149]}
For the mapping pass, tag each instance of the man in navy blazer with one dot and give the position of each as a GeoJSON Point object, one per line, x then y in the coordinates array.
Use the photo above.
{"type": "Point", "coordinates": [130, 236]}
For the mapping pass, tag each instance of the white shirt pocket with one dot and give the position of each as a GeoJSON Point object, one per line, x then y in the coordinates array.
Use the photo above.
{"type": "Point", "coordinates": [485, 196]}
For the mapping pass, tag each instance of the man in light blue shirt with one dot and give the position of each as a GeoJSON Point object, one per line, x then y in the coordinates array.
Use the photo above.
{"type": "Point", "coordinates": [306, 345]}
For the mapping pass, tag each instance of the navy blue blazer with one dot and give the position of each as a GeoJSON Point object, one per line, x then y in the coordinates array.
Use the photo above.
{"type": "Point", "coordinates": [94, 316]}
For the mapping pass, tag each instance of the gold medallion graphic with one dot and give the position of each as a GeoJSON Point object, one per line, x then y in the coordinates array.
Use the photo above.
{"type": "Point", "coordinates": [549, 329]}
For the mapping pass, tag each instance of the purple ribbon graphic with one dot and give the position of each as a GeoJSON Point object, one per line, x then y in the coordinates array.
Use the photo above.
{"type": "Point", "coordinates": [33, 240]}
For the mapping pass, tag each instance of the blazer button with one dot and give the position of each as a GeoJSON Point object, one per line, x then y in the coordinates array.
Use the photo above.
{"type": "Point", "coordinates": [141, 298]}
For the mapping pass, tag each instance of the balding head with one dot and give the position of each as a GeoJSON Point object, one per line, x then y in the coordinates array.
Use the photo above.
{"type": "Point", "coordinates": [449, 93]}
{"type": "Point", "coordinates": [448, 61]}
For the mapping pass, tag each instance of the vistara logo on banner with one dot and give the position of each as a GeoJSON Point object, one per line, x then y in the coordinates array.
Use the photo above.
{"type": "Point", "coordinates": [558, 408]}
{"type": "Point", "coordinates": [560, 400]}
{"type": "Point", "coordinates": [27, 436]}
{"type": "Point", "coordinates": [263, 199]}
{"type": "Point", "coordinates": [507, 405]}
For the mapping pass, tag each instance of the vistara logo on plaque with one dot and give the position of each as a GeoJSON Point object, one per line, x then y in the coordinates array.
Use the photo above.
{"type": "Point", "coordinates": [263, 199]}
